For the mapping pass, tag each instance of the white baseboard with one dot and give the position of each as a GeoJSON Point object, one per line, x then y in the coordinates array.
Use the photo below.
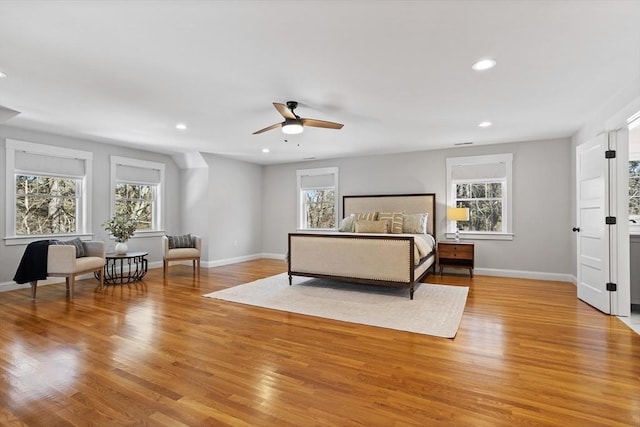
{"type": "Point", "coordinates": [227, 261]}
{"type": "Point", "coordinates": [523, 274]}
{"type": "Point", "coordinates": [12, 286]}
{"type": "Point", "coordinates": [282, 257]}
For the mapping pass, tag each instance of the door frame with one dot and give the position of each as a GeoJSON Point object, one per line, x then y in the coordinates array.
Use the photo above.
{"type": "Point", "coordinates": [619, 252]}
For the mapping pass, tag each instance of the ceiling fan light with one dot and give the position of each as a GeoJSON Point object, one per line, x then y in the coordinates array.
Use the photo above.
{"type": "Point", "coordinates": [292, 128]}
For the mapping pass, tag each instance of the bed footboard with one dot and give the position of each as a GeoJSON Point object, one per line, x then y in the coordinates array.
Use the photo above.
{"type": "Point", "coordinates": [373, 259]}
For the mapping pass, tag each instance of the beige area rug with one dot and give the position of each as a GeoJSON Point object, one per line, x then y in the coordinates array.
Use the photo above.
{"type": "Point", "coordinates": [434, 310]}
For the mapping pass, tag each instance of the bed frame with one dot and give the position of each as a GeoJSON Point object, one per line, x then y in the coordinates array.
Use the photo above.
{"type": "Point", "coordinates": [377, 259]}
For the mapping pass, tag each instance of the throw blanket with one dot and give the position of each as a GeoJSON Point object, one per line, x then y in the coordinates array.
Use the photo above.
{"type": "Point", "coordinates": [33, 265]}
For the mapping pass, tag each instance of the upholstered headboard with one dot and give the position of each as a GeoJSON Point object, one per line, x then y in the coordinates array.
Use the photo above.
{"type": "Point", "coordinates": [406, 203]}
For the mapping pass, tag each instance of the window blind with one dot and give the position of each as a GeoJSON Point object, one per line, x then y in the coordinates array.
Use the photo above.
{"type": "Point", "coordinates": [317, 181]}
{"type": "Point", "coordinates": [50, 165]}
{"type": "Point", "coordinates": [138, 175]}
{"type": "Point", "coordinates": [486, 171]}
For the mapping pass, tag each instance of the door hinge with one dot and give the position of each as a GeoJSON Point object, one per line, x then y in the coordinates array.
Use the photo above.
{"type": "Point", "coordinates": [610, 220]}
{"type": "Point", "coordinates": [610, 154]}
{"type": "Point", "coordinates": [612, 287]}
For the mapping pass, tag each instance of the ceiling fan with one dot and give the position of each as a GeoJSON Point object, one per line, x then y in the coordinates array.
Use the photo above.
{"type": "Point", "coordinates": [293, 123]}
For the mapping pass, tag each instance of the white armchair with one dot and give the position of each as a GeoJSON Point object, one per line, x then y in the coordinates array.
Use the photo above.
{"type": "Point", "coordinates": [62, 262]}
{"type": "Point", "coordinates": [182, 254]}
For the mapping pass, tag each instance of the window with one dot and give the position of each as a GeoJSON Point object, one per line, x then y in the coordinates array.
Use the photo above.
{"type": "Point", "coordinates": [317, 198]}
{"type": "Point", "coordinates": [46, 191]}
{"type": "Point", "coordinates": [46, 205]}
{"type": "Point", "coordinates": [482, 184]}
{"type": "Point", "coordinates": [137, 191]}
{"type": "Point", "coordinates": [634, 189]}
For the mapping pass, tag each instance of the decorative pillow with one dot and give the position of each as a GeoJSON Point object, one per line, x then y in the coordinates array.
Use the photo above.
{"type": "Point", "coordinates": [415, 223]}
{"type": "Point", "coordinates": [395, 221]}
{"type": "Point", "coordinates": [80, 252]}
{"type": "Point", "coordinates": [366, 226]}
{"type": "Point", "coordinates": [348, 224]}
{"type": "Point", "coordinates": [184, 241]}
{"type": "Point", "coordinates": [368, 216]}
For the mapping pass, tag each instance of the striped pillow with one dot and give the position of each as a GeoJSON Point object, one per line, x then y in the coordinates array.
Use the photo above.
{"type": "Point", "coordinates": [394, 219]}
{"type": "Point", "coordinates": [367, 216]}
{"type": "Point", "coordinates": [184, 241]}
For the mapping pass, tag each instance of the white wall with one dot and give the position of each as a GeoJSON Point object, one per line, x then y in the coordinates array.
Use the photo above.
{"type": "Point", "coordinates": [194, 206]}
{"type": "Point", "coordinates": [541, 201]}
{"type": "Point", "coordinates": [10, 255]}
{"type": "Point", "coordinates": [234, 206]}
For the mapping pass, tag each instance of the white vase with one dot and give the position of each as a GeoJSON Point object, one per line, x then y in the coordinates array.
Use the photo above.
{"type": "Point", "coordinates": [121, 248]}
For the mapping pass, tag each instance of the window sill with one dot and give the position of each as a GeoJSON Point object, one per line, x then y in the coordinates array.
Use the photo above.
{"type": "Point", "coordinates": [480, 236]}
{"type": "Point", "coordinates": [316, 230]}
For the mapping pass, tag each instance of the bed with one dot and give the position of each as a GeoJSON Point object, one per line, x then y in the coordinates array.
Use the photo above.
{"type": "Point", "coordinates": [398, 259]}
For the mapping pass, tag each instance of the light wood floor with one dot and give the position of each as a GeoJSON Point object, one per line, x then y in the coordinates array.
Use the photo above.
{"type": "Point", "coordinates": [158, 353]}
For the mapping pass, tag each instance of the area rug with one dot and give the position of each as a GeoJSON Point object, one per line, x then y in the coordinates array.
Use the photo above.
{"type": "Point", "coordinates": [435, 309]}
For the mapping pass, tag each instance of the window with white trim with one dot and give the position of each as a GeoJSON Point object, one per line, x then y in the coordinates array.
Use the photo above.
{"type": "Point", "coordinates": [137, 191]}
{"type": "Point", "coordinates": [483, 185]}
{"type": "Point", "coordinates": [317, 198]}
{"type": "Point", "coordinates": [634, 188]}
{"type": "Point", "coordinates": [46, 191]}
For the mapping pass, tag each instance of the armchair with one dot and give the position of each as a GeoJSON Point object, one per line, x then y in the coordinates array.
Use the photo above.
{"type": "Point", "coordinates": [182, 253]}
{"type": "Point", "coordinates": [62, 262]}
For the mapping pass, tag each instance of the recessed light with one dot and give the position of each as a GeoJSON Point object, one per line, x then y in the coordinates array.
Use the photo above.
{"type": "Point", "coordinates": [181, 126]}
{"type": "Point", "coordinates": [265, 150]}
{"type": "Point", "coordinates": [2, 75]}
{"type": "Point", "coordinates": [484, 124]}
{"type": "Point", "coordinates": [464, 143]}
{"type": "Point", "coordinates": [484, 64]}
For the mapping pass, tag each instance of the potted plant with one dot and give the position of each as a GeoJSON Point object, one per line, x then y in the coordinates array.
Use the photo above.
{"type": "Point", "coordinates": [122, 227]}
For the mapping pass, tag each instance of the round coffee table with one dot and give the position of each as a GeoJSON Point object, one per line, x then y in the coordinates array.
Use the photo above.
{"type": "Point", "coordinates": [122, 269]}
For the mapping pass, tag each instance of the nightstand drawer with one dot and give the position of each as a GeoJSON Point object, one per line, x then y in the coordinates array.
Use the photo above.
{"type": "Point", "coordinates": [455, 251]}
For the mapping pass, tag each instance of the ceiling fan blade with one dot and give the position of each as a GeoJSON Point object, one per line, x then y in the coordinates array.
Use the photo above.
{"type": "Point", "coordinates": [321, 124]}
{"type": "Point", "coordinates": [284, 111]}
{"type": "Point", "coordinates": [277, 125]}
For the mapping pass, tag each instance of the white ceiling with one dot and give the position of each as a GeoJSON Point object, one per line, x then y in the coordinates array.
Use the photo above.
{"type": "Point", "coordinates": [396, 73]}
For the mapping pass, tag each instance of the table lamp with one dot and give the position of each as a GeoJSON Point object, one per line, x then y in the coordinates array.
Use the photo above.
{"type": "Point", "coordinates": [458, 214]}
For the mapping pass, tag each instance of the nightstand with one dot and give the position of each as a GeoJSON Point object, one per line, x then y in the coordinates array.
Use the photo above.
{"type": "Point", "coordinates": [456, 254]}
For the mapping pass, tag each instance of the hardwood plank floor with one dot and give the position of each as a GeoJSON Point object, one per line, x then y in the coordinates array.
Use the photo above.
{"type": "Point", "coordinates": [157, 353]}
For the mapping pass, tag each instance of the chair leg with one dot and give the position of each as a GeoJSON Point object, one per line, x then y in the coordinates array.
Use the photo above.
{"type": "Point", "coordinates": [72, 284]}
{"type": "Point", "coordinates": [101, 275]}
{"type": "Point", "coordinates": [198, 265]}
{"type": "Point", "coordinates": [33, 289]}
{"type": "Point", "coordinates": [165, 266]}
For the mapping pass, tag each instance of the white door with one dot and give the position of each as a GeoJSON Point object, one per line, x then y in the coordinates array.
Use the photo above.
{"type": "Point", "coordinates": [593, 234]}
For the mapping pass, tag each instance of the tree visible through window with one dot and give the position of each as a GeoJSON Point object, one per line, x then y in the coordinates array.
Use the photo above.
{"type": "Point", "coordinates": [484, 201]}
{"type": "Point", "coordinates": [319, 208]}
{"type": "Point", "coordinates": [136, 201]}
{"type": "Point", "coordinates": [46, 205]}
{"type": "Point", "coordinates": [634, 189]}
